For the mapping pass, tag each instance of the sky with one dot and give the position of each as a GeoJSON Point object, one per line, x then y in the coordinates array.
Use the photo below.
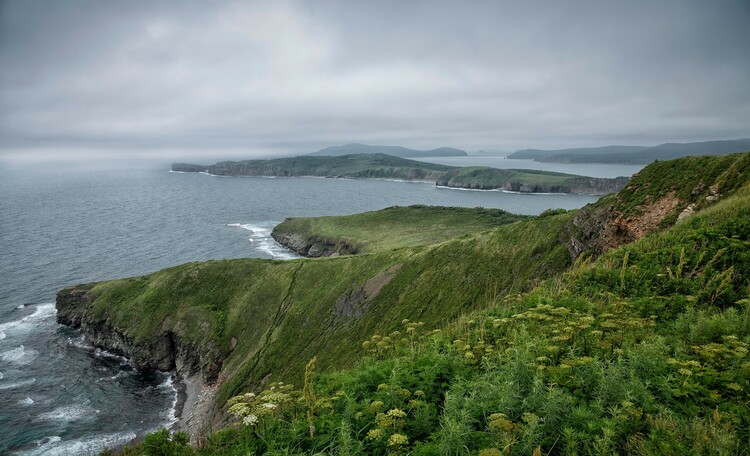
{"type": "Point", "coordinates": [264, 78]}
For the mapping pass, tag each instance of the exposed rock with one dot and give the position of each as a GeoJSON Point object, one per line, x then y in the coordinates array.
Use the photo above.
{"type": "Point", "coordinates": [356, 302]}
{"type": "Point", "coordinates": [314, 247]}
{"type": "Point", "coordinates": [166, 351]}
{"type": "Point", "coordinates": [687, 212]}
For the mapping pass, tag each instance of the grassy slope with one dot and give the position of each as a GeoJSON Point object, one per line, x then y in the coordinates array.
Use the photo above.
{"type": "Point", "coordinates": [389, 167]}
{"type": "Point", "coordinates": [282, 312]}
{"type": "Point", "coordinates": [645, 351]}
{"type": "Point", "coordinates": [395, 227]}
{"type": "Point", "coordinates": [481, 177]}
{"type": "Point", "coordinates": [357, 165]}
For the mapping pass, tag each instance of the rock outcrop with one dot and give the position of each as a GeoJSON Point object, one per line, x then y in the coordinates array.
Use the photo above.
{"type": "Point", "coordinates": [196, 367]}
{"type": "Point", "coordinates": [166, 351]}
{"type": "Point", "coordinates": [314, 247]}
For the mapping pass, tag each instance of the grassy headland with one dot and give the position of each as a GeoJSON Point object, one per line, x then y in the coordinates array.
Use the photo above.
{"type": "Point", "coordinates": [644, 350]}
{"type": "Point", "coordinates": [382, 166]}
{"type": "Point", "coordinates": [526, 180]}
{"type": "Point", "coordinates": [348, 166]}
{"type": "Point", "coordinates": [386, 229]}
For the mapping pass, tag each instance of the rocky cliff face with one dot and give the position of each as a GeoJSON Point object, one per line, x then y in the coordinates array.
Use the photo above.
{"type": "Point", "coordinates": [197, 367]}
{"type": "Point", "coordinates": [166, 351]}
{"type": "Point", "coordinates": [314, 247]}
{"type": "Point", "coordinates": [491, 179]}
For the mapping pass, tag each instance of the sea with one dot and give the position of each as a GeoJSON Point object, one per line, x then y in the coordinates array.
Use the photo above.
{"type": "Point", "coordinates": [68, 222]}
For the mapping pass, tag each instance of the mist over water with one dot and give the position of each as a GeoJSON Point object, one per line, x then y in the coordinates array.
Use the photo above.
{"type": "Point", "coordinates": [65, 223]}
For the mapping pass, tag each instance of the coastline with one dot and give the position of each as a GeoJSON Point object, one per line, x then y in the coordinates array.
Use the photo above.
{"type": "Point", "coordinates": [194, 407]}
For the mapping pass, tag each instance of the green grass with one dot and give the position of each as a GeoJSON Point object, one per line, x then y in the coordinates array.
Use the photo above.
{"type": "Point", "coordinates": [393, 227]}
{"type": "Point", "coordinates": [643, 351]}
{"type": "Point", "coordinates": [526, 180]}
{"type": "Point", "coordinates": [354, 166]}
{"type": "Point", "coordinates": [382, 166]}
{"type": "Point", "coordinates": [283, 312]}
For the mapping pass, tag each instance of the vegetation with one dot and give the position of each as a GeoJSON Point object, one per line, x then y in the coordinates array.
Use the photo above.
{"type": "Point", "coordinates": [352, 166]}
{"type": "Point", "coordinates": [382, 166]}
{"type": "Point", "coordinates": [493, 343]}
{"type": "Point", "coordinates": [643, 351]}
{"type": "Point", "coordinates": [388, 229]}
{"type": "Point", "coordinates": [280, 312]}
{"type": "Point", "coordinates": [526, 180]}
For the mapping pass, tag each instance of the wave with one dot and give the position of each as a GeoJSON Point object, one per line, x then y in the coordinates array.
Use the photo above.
{"type": "Point", "coordinates": [99, 353]}
{"type": "Point", "coordinates": [26, 401]}
{"type": "Point", "coordinates": [54, 445]}
{"type": "Point", "coordinates": [19, 355]}
{"type": "Point", "coordinates": [260, 236]}
{"type": "Point", "coordinates": [66, 413]}
{"type": "Point", "coordinates": [41, 313]}
{"type": "Point", "coordinates": [172, 412]}
{"type": "Point", "coordinates": [27, 382]}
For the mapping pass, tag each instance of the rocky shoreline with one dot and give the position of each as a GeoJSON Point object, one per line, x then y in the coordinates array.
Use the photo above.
{"type": "Point", "coordinates": [195, 376]}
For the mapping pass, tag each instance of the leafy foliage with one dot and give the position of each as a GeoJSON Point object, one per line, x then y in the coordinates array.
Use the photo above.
{"type": "Point", "coordinates": [643, 351]}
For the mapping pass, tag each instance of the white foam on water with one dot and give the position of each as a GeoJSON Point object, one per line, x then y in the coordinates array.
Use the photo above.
{"type": "Point", "coordinates": [66, 413]}
{"type": "Point", "coordinates": [2, 376]}
{"type": "Point", "coordinates": [21, 306]}
{"type": "Point", "coordinates": [27, 382]}
{"type": "Point", "coordinates": [19, 355]}
{"type": "Point", "coordinates": [172, 412]}
{"type": "Point", "coordinates": [260, 235]}
{"type": "Point", "coordinates": [41, 313]}
{"type": "Point", "coordinates": [99, 353]}
{"type": "Point", "coordinates": [26, 401]}
{"type": "Point", "coordinates": [54, 446]}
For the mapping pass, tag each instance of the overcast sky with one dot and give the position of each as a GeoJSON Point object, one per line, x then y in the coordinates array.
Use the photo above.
{"type": "Point", "coordinates": [284, 77]}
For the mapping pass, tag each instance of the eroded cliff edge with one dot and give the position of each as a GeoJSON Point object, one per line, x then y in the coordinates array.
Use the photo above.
{"type": "Point", "coordinates": [196, 367]}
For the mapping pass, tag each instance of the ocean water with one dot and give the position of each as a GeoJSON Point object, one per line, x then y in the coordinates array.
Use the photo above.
{"type": "Point", "coordinates": [65, 223]}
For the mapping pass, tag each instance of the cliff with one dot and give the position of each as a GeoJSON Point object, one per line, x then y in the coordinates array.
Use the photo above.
{"type": "Point", "coordinates": [387, 229]}
{"type": "Point", "coordinates": [382, 166]}
{"type": "Point", "coordinates": [528, 181]}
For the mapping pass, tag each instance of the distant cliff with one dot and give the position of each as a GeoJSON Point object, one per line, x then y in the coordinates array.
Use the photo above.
{"type": "Point", "coordinates": [529, 181]}
{"type": "Point", "coordinates": [382, 166]}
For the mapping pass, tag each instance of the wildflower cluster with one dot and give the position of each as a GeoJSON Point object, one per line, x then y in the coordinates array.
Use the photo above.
{"type": "Point", "coordinates": [398, 341]}
{"type": "Point", "coordinates": [252, 409]}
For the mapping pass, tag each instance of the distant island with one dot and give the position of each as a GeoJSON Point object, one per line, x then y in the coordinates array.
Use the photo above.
{"type": "Point", "coordinates": [633, 154]}
{"type": "Point", "coordinates": [396, 151]}
{"type": "Point", "coordinates": [383, 166]}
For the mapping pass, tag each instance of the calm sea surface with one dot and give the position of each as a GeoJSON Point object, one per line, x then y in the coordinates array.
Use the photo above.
{"type": "Point", "coordinates": [73, 222]}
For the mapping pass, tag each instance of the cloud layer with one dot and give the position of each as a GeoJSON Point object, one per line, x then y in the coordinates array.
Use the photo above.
{"type": "Point", "coordinates": [290, 77]}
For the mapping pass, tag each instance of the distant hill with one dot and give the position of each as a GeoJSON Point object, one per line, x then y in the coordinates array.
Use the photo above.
{"type": "Point", "coordinates": [382, 166]}
{"type": "Point", "coordinates": [396, 151]}
{"type": "Point", "coordinates": [541, 154]}
{"type": "Point", "coordinates": [377, 166]}
{"type": "Point", "coordinates": [634, 154]}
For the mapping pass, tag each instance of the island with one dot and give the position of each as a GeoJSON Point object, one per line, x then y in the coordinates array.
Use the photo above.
{"type": "Point", "coordinates": [383, 166]}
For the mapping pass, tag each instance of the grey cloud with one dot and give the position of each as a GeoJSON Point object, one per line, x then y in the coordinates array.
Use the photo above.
{"type": "Point", "coordinates": [289, 76]}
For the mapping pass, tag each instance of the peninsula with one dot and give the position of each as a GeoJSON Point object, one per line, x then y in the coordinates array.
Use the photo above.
{"type": "Point", "coordinates": [383, 166]}
{"type": "Point", "coordinates": [622, 325]}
